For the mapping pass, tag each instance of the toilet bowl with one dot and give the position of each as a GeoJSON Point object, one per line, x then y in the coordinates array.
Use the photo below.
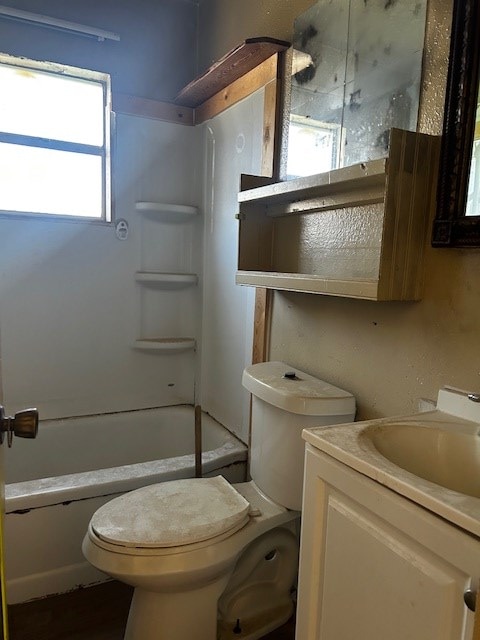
{"type": "Point", "coordinates": [189, 590]}
{"type": "Point", "coordinates": [212, 561]}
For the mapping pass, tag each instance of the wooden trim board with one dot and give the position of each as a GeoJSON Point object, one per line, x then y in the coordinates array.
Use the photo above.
{"type": "Point", "coordinates": [265, 75]}
{"type": "Point", "coordinates": [234, 65]}
{"type": "Point", "coordinates": [362, 175]}
{"type": "Point", "coordinates": [243, 87]}
{"type": "Point", "coordinates": [145, 108]}
{"type": "Point", "coordinates": [270, 173]}
{"type": "Point", "coordinates": [303, 283]}
{"type": "Point", "coordinates": [261, 325]}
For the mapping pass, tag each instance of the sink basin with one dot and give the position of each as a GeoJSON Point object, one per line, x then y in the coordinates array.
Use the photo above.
{"type": "Point", "coordinates": [431, 458]}
{"type": "Point", "coordinates": [445, 457]}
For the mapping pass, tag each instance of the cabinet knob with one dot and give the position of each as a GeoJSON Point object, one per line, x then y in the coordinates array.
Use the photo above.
{"type": "Point", "coordinates": [470, 598]}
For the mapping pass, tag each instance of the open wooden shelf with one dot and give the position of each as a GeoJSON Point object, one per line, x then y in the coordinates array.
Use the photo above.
{"type": "Point", "coordinates": [333, 189]}
{"type": "Point", "coordinates": [357, 231]}
{"type": "Point", "coordinates": [229, 68]}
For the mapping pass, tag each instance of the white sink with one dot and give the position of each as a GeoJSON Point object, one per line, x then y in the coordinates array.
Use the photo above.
{"type": "Point", "coordinates": [448, 458]}
{"type": "Point", "coordinates": [431, 458]}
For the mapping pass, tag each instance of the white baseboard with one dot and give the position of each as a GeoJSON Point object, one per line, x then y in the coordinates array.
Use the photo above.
{"type": "Point", "coordinates": [41, 585]}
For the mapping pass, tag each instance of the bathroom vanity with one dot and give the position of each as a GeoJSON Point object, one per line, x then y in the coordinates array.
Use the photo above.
{"type": "Point", "coordinates": [386, 552]}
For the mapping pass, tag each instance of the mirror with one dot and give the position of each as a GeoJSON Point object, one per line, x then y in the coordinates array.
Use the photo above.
{"type": "Point", "coordinates": [356, 73]}
{"type": "Point", "coordinates": [458, 199]}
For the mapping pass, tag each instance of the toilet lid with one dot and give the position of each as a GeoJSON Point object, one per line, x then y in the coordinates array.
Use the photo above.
{"type": "Point", "coordinates": [172, 514]}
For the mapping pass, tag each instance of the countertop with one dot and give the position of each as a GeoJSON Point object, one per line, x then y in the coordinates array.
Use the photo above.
{"type": "Point", "coordinates": [352, 445]}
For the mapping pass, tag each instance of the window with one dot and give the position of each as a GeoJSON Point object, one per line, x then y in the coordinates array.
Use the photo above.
{"type": "Point", "coordinates": [54, 140]}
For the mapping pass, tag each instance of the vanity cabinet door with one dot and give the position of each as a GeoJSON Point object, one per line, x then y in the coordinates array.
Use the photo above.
{"type": "Point", "coordinates": [366, 575]}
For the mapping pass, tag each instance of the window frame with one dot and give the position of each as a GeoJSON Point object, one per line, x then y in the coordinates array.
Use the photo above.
{"type": "Point", "coordinates": [105, 151]}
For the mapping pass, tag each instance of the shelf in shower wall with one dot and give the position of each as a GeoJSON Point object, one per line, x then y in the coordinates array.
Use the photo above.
{"type": "Point", "coordinates": [165, 344]}
{"type": "Point", "coordinates": [163, 208]}
{"type": "Point", "coordinates": [167, 280]}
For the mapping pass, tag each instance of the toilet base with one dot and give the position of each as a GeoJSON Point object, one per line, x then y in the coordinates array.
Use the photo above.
{"type": "Point", "coordinates": [176, 615]}
{"type": "Point", "coordinates": [257, 626]}
{"type": "Point", "coordinates": [193, 592]}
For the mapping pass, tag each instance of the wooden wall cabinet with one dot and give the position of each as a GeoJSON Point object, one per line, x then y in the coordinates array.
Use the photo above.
{"type": "Point", "coordinates": [358, 231]}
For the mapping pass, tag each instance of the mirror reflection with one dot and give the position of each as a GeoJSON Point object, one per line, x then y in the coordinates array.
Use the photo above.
{"type": "Point", "coordinates": [356, 74]}
{"type": "Point", "coordinates": [473, 194]}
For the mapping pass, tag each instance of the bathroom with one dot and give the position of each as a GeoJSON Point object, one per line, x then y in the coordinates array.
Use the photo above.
{"type": "Point", "coordinates": [87, 366]}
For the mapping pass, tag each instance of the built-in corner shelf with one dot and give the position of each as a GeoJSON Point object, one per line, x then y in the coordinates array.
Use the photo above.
{"type": "Point", "coordinates": [165, 344]}
{"type": "Point", "coordinates": [356, 232]}
{"type": "Point", "coordinates": [163, 208]}
{"type": "Point", "coordinates": [168, 280]}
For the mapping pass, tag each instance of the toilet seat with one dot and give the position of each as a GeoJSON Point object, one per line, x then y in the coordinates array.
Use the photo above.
{"type": "Point", "coordinates": [172, 514]}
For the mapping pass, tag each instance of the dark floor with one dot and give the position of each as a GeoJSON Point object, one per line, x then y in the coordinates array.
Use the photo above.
{"type": "Point", "coordinates": [96, 613]}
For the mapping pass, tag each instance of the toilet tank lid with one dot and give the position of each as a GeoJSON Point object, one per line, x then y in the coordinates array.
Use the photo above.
{"type": "Point", "coordinates": [297, 392]}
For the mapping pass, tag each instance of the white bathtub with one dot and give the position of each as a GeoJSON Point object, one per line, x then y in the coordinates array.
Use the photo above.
{"type": "Point", "coordinates": [55, 484]}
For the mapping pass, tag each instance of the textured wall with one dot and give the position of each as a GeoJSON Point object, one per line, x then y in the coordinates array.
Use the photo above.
{"type": "Point", "coordinates": [391, 354]}
{"type": "Point", "coordinates": [387, 354]}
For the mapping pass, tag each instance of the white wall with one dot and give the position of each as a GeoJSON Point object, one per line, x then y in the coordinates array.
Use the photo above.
{"type": "Point", "coordinates": [233, 145]}
{"type": "Point", "coordinates": [70, 308]}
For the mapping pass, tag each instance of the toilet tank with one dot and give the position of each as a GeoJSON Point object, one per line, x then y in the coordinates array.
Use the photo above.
{"type": "Point", "coordinates": [285, 401]}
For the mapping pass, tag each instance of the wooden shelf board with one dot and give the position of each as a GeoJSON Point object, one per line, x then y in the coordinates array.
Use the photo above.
{"type": "Point", "coordinates": [363, 175]}
{"type": "Point", "coordinates": [232, 66]}
{"type": "Point", "coordinates": [146, 108]}
{"type": "Point", "coordinates": [165, 344]}
{"type": "Point", "coordinates": [365, 289]}
{"type": "Point", "coordinates": [328, 202]}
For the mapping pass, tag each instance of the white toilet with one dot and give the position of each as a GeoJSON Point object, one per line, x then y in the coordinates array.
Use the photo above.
{"type": "Point", "coordinates": [210, 560]}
